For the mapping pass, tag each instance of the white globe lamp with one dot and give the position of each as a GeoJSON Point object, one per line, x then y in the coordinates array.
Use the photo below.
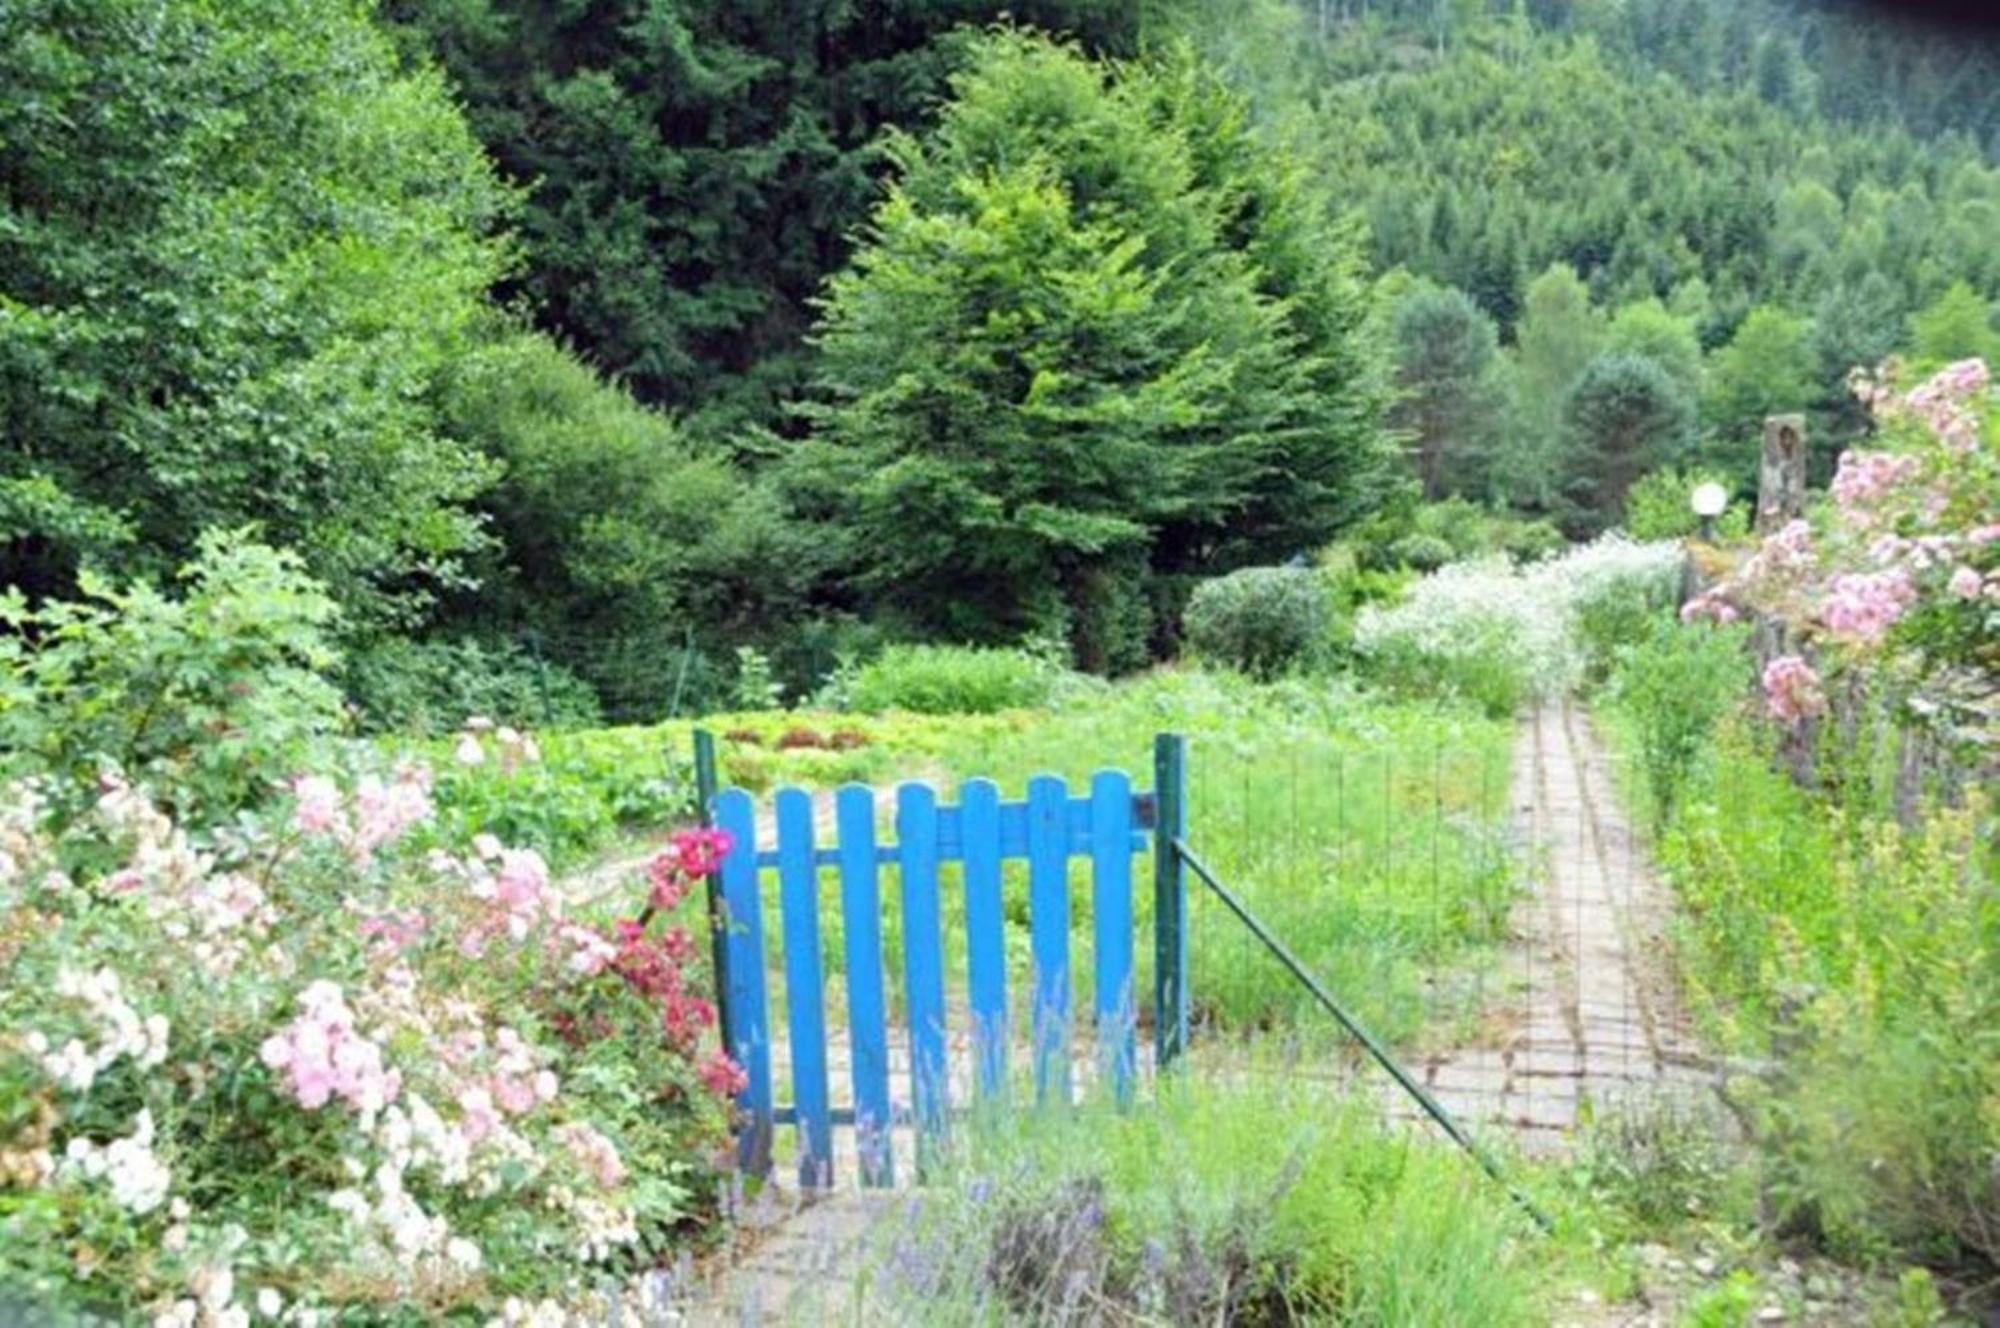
{"type": "Point", "coordinates": [1708, 501]}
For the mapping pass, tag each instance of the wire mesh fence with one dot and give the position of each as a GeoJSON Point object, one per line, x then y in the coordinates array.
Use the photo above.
{"type": "Point", "coordinates": [1490, 915]}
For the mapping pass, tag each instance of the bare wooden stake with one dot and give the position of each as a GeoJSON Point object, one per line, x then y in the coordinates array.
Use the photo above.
{"type": "Point", "coordinates": [1781, 475]}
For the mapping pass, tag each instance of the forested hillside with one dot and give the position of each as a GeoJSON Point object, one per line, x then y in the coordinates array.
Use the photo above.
{"type": "Point", "coordinates": [1680, 182]}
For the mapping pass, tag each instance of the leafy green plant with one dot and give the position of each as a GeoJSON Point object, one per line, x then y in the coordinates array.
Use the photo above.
{"type": "Point", "coordinates": [1422, 552]}
{"type": "Point", "coordinates": [947, 680]}
{"type": "Point", "coordinates": [756, 686]}
{"type": "Point", "coordinates": [1251, 1203]}
{"type": "Point", "coordinates": [1730, 1303]}
{"type": "Point", "coordinates": [1856, 954]}
{"type": "Point", "coordinates": [836, 689]}
{"type": "Point", "coordinates": [1675, 685]}
{"type": "Point", "coordinates": [1660, 1160]}
{"type": "Point", "coordinates": [570, 796]}
{"type": "Point", "coordinates": [1262, 620]}
{"type": "Point", "coordinates": [213, 698]}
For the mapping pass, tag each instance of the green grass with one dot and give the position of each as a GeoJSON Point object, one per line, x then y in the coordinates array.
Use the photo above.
{"type": "Point", "coordinates": [1368, 835]}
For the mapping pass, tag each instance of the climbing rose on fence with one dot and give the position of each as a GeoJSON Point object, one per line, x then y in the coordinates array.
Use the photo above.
{"type": "Point", "coordinates": [1793, 689]}
{"type": "Point", "coordinates": [316, 1060]}
{"type": "Point", "coordinates": [1901, 569]}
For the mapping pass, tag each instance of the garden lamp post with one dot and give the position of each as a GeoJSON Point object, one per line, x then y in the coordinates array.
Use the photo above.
{"type": "Point", "coordinates": [1708, 500]}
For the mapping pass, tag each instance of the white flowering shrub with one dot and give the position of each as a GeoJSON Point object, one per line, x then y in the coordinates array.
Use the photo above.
{"type": "Point", "coordinates": [1499, 634]}
{"type": "Point", "coordinates": [294, 1066]}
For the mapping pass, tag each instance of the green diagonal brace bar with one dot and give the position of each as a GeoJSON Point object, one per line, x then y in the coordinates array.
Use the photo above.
{"type": "Point", "coordinates": [1383, 1057]}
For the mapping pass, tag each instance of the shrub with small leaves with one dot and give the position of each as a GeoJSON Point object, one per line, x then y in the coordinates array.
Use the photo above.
{"type": "Point", "coordinates": [1262, 620]}
{"type": "Point", "coordinates": [212, 696]}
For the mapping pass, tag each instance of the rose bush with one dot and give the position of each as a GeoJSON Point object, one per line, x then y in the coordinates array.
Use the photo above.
{"type": "Point", "coordinates": [1898, 573]}
{"type": "Point", "coordinates": [312, 1062]}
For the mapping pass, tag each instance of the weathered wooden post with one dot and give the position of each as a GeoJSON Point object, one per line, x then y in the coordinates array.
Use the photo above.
{"type": "Point", "coordinates": [1781, 498]}
{"type": "Point", "coordinates": [1781, 472]}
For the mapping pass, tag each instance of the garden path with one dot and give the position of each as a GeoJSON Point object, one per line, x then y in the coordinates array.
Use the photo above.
{"type": "Point", "coordinates": [1592, 1016]}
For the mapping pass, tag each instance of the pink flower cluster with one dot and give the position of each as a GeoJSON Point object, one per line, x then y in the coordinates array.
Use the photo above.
{"type": "Point", "coordinates": [1785, 556]}
{"type": "Point", "coordinates": [391, 932]}
{"type": "Point", "coordinates": [1944, 404]}
{"type": "Point", "coordinates": [721, 1075]}
{"type": "Point", "coordinates": [1792, 689]}
{"type": "Point", "coordinates": [1711, 605]}
{"type": "Point", "coordinates": [1861, 606]}
{"type": "Point", "coordinates": [323, 1056]}
{"type": "Point", "coordinates": [1908, 526]}
{"type": "Point", "coordinates": [381, 812]}
{"type": "Point", "coordinates": [598, 1154]}
{"type": "Point", "coordinates": [1864, 478]}
{"type": "Point", "coordinates": [1921, 553]}
{"type": "Point", "coordinates": [513, 1085]}
{"type": "Point", "coordinates": [689, 856]}
{"type": "Point", "coordinates": [657, 971]}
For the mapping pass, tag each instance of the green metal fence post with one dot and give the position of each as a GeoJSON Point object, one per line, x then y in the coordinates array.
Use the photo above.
{"type": "Point", "coordinates": [1170, 994]}
{"type": "Point", "coordinates": [718, 916]}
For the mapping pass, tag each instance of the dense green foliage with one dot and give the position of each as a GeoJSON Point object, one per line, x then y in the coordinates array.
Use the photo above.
{"type": "Point", "coordinates": [1858, 953]}
{"type": "Point", "coordinates": [1446, 362]}
{"type": "Point", "coordinates": [238, 248]}
{"type": "Point", "coordinates": [1107, 332]}
{"type": "Point", "coordinates": [1625, 416]}
{"type": "Point", "coordinates": [619, 538]}
{"type": "Point", "coordinates": [1675, 685]}
{"type": "Point", "coordinates": [952, 680]}
{"type": "Point", "coordinates": [1100, 335]}
{"type": "Point", "coordinates": [694, 168]}
{"type": "Point", "coordinates": [1642, 149]}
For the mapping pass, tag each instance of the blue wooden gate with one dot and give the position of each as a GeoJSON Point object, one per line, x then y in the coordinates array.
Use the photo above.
{"type": "Point", "coordinates": [1106, 824]}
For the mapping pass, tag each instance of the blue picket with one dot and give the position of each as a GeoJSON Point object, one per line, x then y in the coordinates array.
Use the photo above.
{"type": "Point", "coordinates": [749, 1022]}
{"type": "Point", "coordinates": [923, 969]}
{"type": "Point", "coordinates": [1048, 829]}
{"type": "Point", "coordinates": [1048, 923]}
{"type": "Point", "coordinates": [861, 908]}
{"type": "Point", "coordinates": [1111, 921]}
{"type": "Point", "coordinates": [986, 934]}
{"type": "Point", "coordinates": [805, 994]}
